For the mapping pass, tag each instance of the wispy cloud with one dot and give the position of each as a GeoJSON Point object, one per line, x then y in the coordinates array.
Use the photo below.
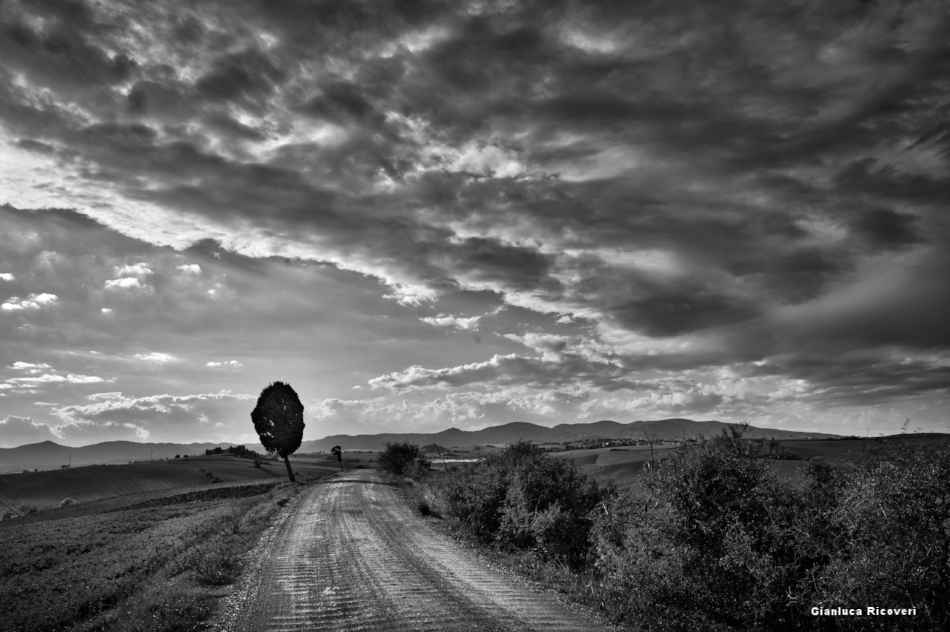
{"type": "Point", "coordinates": [155, 357]}
{"type": "Point", "coordinates": [456, 322]}
{"type": "Point", "coordinates": [225, 364]}
{"type": "Point", "coordinates": [26, 366]}
{"type": "Point", "coordinates": [55, 378]}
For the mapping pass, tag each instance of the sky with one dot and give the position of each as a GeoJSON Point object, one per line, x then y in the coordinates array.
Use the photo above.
{"type": "Point", "coordinates": [425, 215]}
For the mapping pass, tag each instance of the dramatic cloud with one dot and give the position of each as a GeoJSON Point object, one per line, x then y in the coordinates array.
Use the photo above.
{"type": "Point", "coordinates": [347, 193]}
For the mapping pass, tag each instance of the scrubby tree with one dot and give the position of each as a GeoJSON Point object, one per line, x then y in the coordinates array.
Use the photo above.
{"type": "Point", "coordinates": [399, 458]}
{"type": "Point", "coordinates": [278, 420]}
{"type": "Point", "coordinates": [337, 451]}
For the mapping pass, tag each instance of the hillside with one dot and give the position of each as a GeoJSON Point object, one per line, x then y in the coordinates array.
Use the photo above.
{"type": "Point", "coordinates": [48, 455]}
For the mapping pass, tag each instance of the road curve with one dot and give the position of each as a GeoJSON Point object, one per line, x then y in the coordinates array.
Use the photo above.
{"type": "Point", "coordinates": [351, 556]}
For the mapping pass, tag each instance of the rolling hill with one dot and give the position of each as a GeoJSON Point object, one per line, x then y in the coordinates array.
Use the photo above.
{"type": "Point", "coordinates": [95, 482]}
{"type": "Point", "coordinates": [509, 433]}
{"type": "Point", "coordinates": [48, 455]}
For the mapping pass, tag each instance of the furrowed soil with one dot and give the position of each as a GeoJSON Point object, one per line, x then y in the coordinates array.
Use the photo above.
{"type": "Point", "coordinates": [352, 556]}
{"type": "Point", "coordinates": [95, 482]}
{"type": "Point", "coordinates": [103, 564]}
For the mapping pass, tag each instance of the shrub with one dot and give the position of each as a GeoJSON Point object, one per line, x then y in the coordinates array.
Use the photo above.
{"type": "Point", "coordinates": [27, 509]}
{"type": "Point", "coordinates": [883, 533]}
{"type": "Point", "coordinates": [546, 509]}
{"type": "Point", "coordinates": [66, 502]}
{"type": "Point", "coordinates": [403, 458]}
{"type": "Point", "coordinates": [522, 499]}
{"type": "Point", "coordinates": [717, 542]}
{"type": "Point", "coordinates": [712, 544]}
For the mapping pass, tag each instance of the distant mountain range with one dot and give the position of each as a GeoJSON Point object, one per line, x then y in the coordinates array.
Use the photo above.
{"type": "Point", "coordinates": [509, 433]}
{"type": "Point", "coordinates": [49, 455]}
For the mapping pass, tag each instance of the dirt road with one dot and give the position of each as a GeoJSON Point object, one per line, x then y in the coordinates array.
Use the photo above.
{"type": "Point", "coordinates": [351, 556]}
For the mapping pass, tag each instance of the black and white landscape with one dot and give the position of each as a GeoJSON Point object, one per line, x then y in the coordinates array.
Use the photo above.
{"type": "Point", "coordinates": [590, 224]}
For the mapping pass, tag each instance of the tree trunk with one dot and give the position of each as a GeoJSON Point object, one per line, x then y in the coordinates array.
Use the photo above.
{"type": "Point", "coordinates": [290, 472]}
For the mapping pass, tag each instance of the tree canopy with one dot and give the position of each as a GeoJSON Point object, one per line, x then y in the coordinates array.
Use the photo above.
{"type": "Point", "coordinates": [278, 420]}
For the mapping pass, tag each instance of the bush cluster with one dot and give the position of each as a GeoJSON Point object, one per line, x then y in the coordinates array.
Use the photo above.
{"type": "Point", "coordinates": [403, 458]}
{"type": "Point", "coordinates": [720, 543]}
{"type": "Point", "coordinates": [522, 499]}
{"type": "Point", "coordinates": [714, 541]}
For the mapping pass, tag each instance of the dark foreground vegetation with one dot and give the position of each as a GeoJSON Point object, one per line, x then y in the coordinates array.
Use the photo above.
{"type": "Point", "coordinates": [145, 562]}
{"type": "Point", "coordinates": [711, 540]}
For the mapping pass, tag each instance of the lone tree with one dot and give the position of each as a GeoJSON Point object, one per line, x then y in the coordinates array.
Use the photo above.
{"type": "Point", "coordinates": [338, 453]}
{"type": "Point", "coordinates": [278, 420]}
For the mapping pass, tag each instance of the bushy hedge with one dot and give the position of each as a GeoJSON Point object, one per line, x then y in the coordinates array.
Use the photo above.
{"type": "Point", "coordinates": [716, 542]}
{"type": "Point", "coordinates": [720, 544]}
{"type": "Point", "coordinates": [403, 458]}
{"type": "Point", "coordinates": [521, 498]}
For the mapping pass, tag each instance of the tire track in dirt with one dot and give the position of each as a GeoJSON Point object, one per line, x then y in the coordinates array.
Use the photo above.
{"type": "Point", "coordinates": [352, 557]}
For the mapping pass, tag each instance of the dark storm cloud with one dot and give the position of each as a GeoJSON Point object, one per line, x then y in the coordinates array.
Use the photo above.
{"type": "Point", "coordinates": [246, 75]}
{"type": "Point", "coordinates": [729, 172]}
{"type": "Point", "coordinates": [884, 228]}
{"type": "Point", "coordinates": [342, 103]}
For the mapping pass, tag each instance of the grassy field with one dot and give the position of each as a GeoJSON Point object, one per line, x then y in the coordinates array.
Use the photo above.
{"type": "Point", "coordinates": [625, 465]}
{"type": "Point", "coordinates": [148, 561]}
{"type": "Point", "coordinates": [44, 490]}
{"type": "Point", "coordinates": [350, 459]}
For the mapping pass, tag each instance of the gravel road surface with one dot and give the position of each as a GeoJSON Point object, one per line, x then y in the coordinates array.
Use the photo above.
{"type": "Point", "coordinates": [351, 556]}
